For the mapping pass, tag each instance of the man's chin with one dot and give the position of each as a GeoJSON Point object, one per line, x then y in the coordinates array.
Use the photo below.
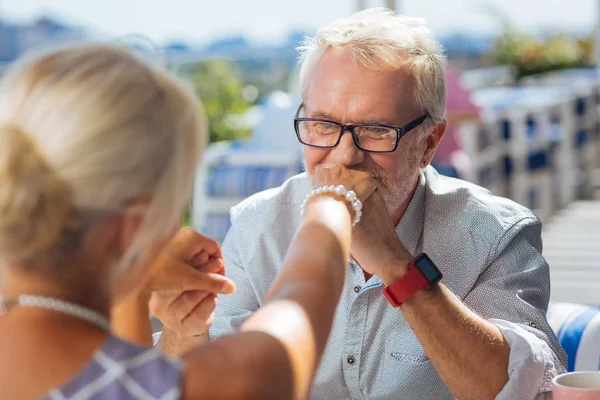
{"type": "Point", "coordinates": [393, 202]}
{"type": "Point", "coordinates": [393, 197]}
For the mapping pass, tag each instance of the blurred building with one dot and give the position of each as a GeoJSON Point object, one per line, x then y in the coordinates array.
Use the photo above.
{"type": "Point", "coordinates": [45, 31]}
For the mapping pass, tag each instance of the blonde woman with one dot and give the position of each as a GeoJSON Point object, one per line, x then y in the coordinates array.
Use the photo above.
{"type": "Point", "coordinates": [97, 155]}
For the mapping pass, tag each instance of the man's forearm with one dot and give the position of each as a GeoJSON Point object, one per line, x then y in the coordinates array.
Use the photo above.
{"type": "Point", "coordinates": [175, 346]}
{"type": "Point", "coordinates": [469, 353]}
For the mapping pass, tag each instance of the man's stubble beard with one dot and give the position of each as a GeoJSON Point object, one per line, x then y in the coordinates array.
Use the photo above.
{"type": "Point", "coordinates": [395, 191]}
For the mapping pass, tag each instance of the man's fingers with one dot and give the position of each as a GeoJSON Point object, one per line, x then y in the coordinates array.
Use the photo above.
{"type": "Point", "coordinates": [202, 313]}
{"type": "Point", "coordinates": [186, 303]}
{"type": "Point", "coordinates": [367, 190]}
{"type": "Point", "coordinates": [214, 265]}
{"type": "Point", "coordinates": [187, 243]}
{"type": "Point", "coordinates": [200, 259]}
{"type": "Point", "coordinates": [183, 277]}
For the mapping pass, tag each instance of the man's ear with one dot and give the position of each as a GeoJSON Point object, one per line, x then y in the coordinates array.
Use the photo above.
{"type": "Point", "coordinates": [432, 141]}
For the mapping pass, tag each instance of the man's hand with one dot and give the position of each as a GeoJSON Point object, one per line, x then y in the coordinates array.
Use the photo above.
{"type": "Point", "coordinates": [186, 278]}
{"type": "Point", "coordinates": [361, 183]}
{"type": "Point", "coordinates": [375, 244]}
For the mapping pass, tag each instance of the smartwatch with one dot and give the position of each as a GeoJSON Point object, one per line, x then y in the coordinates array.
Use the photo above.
{"type": "Point", "coordinates": [422, 274]}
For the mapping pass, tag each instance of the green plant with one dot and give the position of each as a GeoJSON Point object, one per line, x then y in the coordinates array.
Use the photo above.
{"type": "Point", "coordinates": [530, 55]}
{"type": "Point", "coordinates": [220, 90]}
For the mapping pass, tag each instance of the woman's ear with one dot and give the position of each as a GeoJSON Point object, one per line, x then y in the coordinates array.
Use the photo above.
{"type": "Point", "coordinates": [112, 238]}
{"type": "Point", "coordinates": [432, 141]}
{"type": "Point", "coordinates": [131, 219]}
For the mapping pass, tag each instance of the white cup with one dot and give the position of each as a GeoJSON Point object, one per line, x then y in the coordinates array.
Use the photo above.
{"type": "Point", "coordinates": [581, 385]}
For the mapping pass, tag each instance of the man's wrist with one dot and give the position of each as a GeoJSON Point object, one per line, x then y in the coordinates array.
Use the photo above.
{"type": "Point", "coordinates": [174, 344]}
{"type": "Point", "coordinates": [400, 269]}
{"type": "Point", "coordinates": [394, 271]}
{"type": "Point", "coordinates": [175, 336]}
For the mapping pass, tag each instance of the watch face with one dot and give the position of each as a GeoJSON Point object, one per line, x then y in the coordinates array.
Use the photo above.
{"type": "Point", "coordinates": [428, 269]}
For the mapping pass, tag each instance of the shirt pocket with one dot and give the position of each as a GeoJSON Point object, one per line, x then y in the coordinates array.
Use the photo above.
{"type": "Point", "coordinates": [409, 358]}
{"type": "Point", "coordinates": [403, 347]}
{"type": "Point", "coordinates": [404, 371]}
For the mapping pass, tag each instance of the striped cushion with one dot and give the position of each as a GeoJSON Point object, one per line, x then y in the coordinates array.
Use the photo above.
{"type": "Point", "coordinates": [243, 181]}
{"type": "Point", "coordinates": [578, 330]}
{"type": "Point", "coordinates": [237, 180]}
{"type": "Point", "coordinates": [216, 226]}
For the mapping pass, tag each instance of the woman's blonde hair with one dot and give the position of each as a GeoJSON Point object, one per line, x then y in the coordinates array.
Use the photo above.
{"type": "Point", "coordinates": [84, 130]}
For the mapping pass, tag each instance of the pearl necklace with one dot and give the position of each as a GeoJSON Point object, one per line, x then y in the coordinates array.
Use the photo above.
{"type": "Point", "coordinates": [61, 306]}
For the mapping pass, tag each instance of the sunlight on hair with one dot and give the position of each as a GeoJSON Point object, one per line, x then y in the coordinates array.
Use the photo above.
{"type": "Point", "coordinates": [378, 39]}
{"type": "Point", "coordinates": [102, 127]}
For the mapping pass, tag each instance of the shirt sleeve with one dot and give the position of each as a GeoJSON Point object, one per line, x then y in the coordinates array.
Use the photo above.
{"type": "Point", "coordinates": [532, 364]}
{"type": "Point", "coordinates": [234, 309]}
{"type": "Point", "coordinates": [156, 338]}
{"type": "Point", "coordinates": [513, 293]}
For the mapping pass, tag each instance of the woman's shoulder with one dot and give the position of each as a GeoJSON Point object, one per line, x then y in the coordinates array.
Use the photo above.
{"type": "Point", "coordinates": [121, 370]}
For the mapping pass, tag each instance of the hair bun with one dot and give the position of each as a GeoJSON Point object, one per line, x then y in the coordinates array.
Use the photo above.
{"type": "Point", "coordinates": [34, 201]}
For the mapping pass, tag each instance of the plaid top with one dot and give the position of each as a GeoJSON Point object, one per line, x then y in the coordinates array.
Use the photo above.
{"type": "Point", "coordinates": [124, 371]}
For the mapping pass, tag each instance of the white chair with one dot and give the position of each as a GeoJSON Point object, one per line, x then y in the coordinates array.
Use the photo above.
{"type": "Point", "coordinates": [578, 330]}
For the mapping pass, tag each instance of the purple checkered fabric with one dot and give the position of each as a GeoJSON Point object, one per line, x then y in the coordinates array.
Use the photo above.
{"type": "Point", "coordinates": [123, 371]}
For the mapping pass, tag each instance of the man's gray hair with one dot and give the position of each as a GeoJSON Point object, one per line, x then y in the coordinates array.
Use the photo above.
{"type": "Point", "coordinates": [379, 38]}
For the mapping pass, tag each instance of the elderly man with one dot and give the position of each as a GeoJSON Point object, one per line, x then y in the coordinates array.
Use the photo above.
{"type": "Point", "coordinates": [374, 100]}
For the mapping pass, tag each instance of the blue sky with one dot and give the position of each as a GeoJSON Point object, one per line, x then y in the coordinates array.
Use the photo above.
{"type": "Point", "coordinates": [269, 20]}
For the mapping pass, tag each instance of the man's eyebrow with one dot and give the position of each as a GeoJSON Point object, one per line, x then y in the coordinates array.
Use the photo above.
{"type": "Point", "coordinates": [376, 121]}
{"type": "Point", "coordinates": [321, 114]}
{"type": "Point", "coordinates": [325, 115]}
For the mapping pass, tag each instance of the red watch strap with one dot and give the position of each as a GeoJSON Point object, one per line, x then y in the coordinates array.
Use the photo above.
{"type": "Point", "coordinates": [401, 290]}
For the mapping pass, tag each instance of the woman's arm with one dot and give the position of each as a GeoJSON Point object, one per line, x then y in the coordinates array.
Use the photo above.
{"type": "Point", "coordinates": [277, 352]}
{"type": "Point", "coordinates": [130, 320]}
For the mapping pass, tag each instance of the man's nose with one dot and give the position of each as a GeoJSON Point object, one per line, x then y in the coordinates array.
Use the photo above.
{"type": "Point", "coordinates": [346, 153]}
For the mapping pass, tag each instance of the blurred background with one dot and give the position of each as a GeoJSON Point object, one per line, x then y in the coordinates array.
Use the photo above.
{"type": "Point", "coordinates": [523, 97]}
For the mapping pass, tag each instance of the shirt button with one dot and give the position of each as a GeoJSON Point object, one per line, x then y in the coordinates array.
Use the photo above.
{"type": "Point", "coordinates": [357, 288]}
{"type": "Point", "coordinates": [533, 325]}
{"type": "Point", "coordinates": [351, 360]}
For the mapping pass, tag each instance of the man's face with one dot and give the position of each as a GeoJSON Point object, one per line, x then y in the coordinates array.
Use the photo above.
{"type": "Point", "coordinates": [344, 91]}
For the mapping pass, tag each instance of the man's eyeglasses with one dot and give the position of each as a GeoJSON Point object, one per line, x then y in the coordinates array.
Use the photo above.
{"type": "Point", "coordinates": [376, 138]}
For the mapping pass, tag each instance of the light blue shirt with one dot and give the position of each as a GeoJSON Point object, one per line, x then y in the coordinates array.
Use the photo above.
{"type": "Point", "coordinates": [487, 247]}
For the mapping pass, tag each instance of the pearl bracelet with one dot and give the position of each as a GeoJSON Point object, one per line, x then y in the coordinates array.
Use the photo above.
{"type": "Point", "coordinates": [338, 190]}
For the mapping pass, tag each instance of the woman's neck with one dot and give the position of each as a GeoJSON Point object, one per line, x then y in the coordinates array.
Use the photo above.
{"type": "Point", "coordinates": [79, 288]}
{"type": "Point", "coordinates": [35, 337]}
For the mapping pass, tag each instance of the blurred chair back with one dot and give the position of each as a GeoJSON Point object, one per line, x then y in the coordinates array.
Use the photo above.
{"type": "Point", "coordinates": [537, 144]}
{"type": "Point", "coordinates": [232, 171]}
{"type": "Point", "coordinates": [578, 330]}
